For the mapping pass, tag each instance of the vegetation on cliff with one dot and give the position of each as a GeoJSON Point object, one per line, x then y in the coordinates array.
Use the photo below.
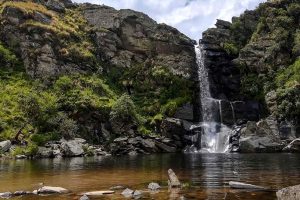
{"type": "Point", "coordinates": [52, 82]}
{"type": "Point", "coordinates": [266, 44]}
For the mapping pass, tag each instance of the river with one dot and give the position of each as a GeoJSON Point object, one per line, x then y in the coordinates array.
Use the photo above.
{"type": "Point", "coordinates": [206, 175]}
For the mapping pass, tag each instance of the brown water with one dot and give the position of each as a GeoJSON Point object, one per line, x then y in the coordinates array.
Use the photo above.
{"type": "Point", "coordinates": [206, 174]}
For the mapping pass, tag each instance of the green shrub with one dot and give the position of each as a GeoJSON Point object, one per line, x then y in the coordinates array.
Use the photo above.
{"type": "Point", "coordinates": [296, 48]}
{"type": "Point", "coordinates": [31, 149]}
{"type": "Point", "coordinates": [231, 49]}
{"type": "Point", "coordinates": [124, 109]}
{"type": "Point", "coordinates": [7, 58]}
{"type": "Point", "coordinates": [290, 76]}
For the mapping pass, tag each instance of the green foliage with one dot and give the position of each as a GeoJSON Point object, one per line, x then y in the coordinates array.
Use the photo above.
{"type": "Point", "coordinates": [294, 10]}
{"type": "Point", "coordinates": [42, 139]}
{"type": "Point", "coordinates": [7, 58]}
{"type": "Point", "coordinates": [252, 87]}
{"type": "Point", "coordinates": [296, 48]}
{"type": "Point", "coordinates": [64, 126]}
{"type": "Point", "coordinates": [231, 49]}
{"type": "Point", "coordinates": [49, 112]}
{"type": "Point", "coordinates": [288, 100]}
{"type": "Point", "coordinates": [289, 77]}
{"type": "Point", "coordinates": [124, 110]}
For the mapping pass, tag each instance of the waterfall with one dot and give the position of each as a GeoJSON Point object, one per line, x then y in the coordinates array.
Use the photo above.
{"type": "Point", "coordinates": [215, 135]}
{"type": "Point", "coordinates": [233, 112]}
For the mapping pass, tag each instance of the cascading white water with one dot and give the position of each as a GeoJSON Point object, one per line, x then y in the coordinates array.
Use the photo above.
{"type": "Point", "coordinates": [215, 135]}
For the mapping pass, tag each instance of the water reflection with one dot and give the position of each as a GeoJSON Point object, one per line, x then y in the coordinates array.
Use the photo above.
{"type": "Point", "coordinates": [208, 174]}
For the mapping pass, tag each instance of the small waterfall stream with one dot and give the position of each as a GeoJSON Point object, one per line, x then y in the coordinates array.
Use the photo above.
{"type": "Point", "coordinates": [215, 135]}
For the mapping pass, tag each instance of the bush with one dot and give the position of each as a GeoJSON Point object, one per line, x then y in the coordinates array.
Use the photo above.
{"type": "Point", "coordinates": [7, 58]}
{"type": "Point", "coordinates": [231, 49]}
{"type": "Point", "coordinates": [289, 77]}
{"type": "Point", "coordinates": [296, 48]}
{"type": "Point", "coordinates": [124, 109]}
{"type": "Point", "coordinates": [64, 126]}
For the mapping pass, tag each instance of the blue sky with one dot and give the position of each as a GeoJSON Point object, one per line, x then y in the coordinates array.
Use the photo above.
{"type": "Point", "coordinates": [191, 17]}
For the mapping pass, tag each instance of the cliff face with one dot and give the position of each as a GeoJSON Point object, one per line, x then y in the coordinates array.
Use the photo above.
{"type": "Point", "coordinates": [72, 63]}
{"type": "Point", "coordinates": [256, 58]}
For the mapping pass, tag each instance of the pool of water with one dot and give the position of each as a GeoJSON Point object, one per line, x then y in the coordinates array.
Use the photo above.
{"type": "Point", "coordinates": [206, 175]}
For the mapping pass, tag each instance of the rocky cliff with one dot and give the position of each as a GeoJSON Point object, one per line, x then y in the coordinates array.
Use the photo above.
{"type": "Point", "coordinates": [255, 59]}
{"type": "Point", "coordinates": [92, 71]}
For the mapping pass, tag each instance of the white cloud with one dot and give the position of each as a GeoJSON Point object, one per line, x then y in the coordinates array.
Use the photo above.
{"type": "Point", "coordinates": [191, 17]}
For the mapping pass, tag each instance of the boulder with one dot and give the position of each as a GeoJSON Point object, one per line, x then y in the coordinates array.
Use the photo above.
{"type": "Point", "coordinates": [44, 152]}
{"type": "Point", "coordinates": [72, 148]}
{"type": "Point", "coordinates": [153, 186]}
{"type": "Point", "coordinates": [127, 193]}
{"type": "Point", "coordinates": [165, 148]}
{"type": "Point", "coordinates": [173, 179]}
{"type": "Point", "coordinates": [5, 146]}
{"type": "Point", "coordinates": [239, 185]}
{"type": "Point", "coordinates": [289, 193]}
{"type": "Point", "coordinates": [52, 190]}
{"type": "Point", "coordinates": [258, 144]}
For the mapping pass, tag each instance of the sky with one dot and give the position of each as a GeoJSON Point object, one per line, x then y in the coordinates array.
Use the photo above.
{"type": "Point", "coordinates": [191, 17]}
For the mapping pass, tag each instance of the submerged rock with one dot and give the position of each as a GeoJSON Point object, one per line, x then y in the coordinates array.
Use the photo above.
{"type": "Point", "coordinates": [153, 186]}
{"type": "Point", "coordinates": [239, 185]}
{"type": "Point", "coordinates": [84, 197]}
{"type": "Point", "coordinates": [173, 179]}
{"type": "Point", "coordinates": [52, 190]}
{"type": "Point", "coordinates": [127, 193]}
{"type": "Point", "coordinates": [289, 193]}
{"type": "Point", "coordinates": [118, 187]}
{"type": "Point", "coordinates": [99, 193]}
{"type": "Point", "coordinates": [20, 193]}
{"type": "Point", "coordinates": [137, 193]}
{"type": "Point", "coordinates": [6, 195]}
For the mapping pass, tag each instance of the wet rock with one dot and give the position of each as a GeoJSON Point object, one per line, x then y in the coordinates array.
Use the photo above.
{"type": "Point", "coordinates": [20, 193]}
{"type": "Point", "coordinates": [5, 146]}
{"type": "Point", "coordinates": [118, 187]}
{"type": "Point", "coordinates": [239, 185]}
{"type": "Point", "coordinates": [6, 195]}
{"type": "Point", "coordinates": [166, 148]}
{"type": "Point", "coordinates": [137, 193]}
{"type": "Point", "coordinates": [260, 144]}
{"type": "Point", "coordinates": [99, 193]}
{"type": "Point", "coordinates": [44, 152]}
{"type": "Point", "coordinates": [51, 190]}
{"type": "Point", "coordinates": [121, 139]}
{"type": "Point", "coordinates": [20, 157]}
{"type": "Point", "coordinates": [127, 193]}
{"type": "Point", "coordinates": [185, 112]}
{"type": "Point", "coordinates": [84, 197]}
{"type": "Point", "coordinates": [173, 179]}
{"type": "Point", "coordinates": [153, 186]}
{"type": "Point", "coordinates": [72, 148]}
{"type": "Point", "coordinates": [289, 193]}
